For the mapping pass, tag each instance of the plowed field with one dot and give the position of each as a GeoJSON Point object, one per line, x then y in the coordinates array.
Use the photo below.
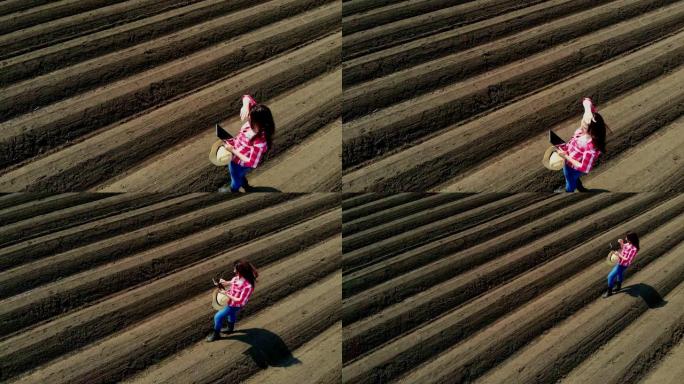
{"type": "Point", "coordinates": [99, 288]}
{"type": "Point", "coordinates": [453, 95]}
{"type": "Point", "coordinates": [498, 288]}
{"type": "Point", "coordinates": [122, 95]}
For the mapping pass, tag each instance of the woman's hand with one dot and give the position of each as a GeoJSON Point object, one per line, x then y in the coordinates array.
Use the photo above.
{"type": "Point", "coordinates": [567, 158]}
{"type": "Point", "coordinates": [244, 111]}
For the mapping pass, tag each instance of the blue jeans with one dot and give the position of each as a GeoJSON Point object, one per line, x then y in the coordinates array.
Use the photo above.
{"type": "Point", "coordinates": [572, 177]}
{"type": "Point", "coordinates": [616, 275]}
{"type": "Point", "coordinates": [227, 312]}
{"type": "Point", "coordinates": [237, 176]}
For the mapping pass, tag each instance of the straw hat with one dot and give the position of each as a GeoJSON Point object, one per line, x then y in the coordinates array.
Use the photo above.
{"type": "Point", "coordinates": [219, 155]}
{"type": "Point", "coordinates": [612, 258]}
{"type": "Point", "coordinates": [552, 160]}
{"type": "Point", "coordinates": [219, 300]}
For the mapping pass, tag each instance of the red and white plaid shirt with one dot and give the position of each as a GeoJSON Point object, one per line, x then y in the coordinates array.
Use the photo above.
{"type": "Point", "coordinates": [627, 253]}
{"type": "Point", "coordinates": [239, 288]}
{"type": "Point", "coordinates": [581, 148]}
{"type": "Point", "coordinates": [254, 149]}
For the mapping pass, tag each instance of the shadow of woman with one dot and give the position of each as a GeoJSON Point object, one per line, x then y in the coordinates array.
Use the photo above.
{"type": "Point", "coordinates": [267, 348]}
{"type": "Point", "coordinates": [263, 189]}
{"type": "Point", "coordinates": [649, 294]}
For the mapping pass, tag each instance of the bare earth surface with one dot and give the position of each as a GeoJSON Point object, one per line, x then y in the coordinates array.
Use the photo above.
{"type": "Point", "coordinates": [499, 288]}
{"type": "Point", "coordinates": [459, 95]}
{"type": "Point", "coordinates": [93, 295]}
{"type": "Point", "coordinates": [123, 95]}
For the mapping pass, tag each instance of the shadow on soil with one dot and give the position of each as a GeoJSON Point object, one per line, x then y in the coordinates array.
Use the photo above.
{"type": "Point", "coordinates": [264, 189]}
{"type": "Point", "coordinates": [267, 348]}
{"type": "Point", "coordinates": [649, 294]}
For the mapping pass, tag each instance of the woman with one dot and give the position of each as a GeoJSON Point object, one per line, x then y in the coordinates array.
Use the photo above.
{"type": "Point", "coordinates": [628, 250]}
{"type": "Point", "coordinates": [250, 145]}
{"type": "Point", "coordinates": [581, 152]}
{"type": "Point", "coordinates": [239, 289]}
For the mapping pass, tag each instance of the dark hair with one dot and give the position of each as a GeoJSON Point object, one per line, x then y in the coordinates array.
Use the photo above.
{"type": "Point", "coordinates": [597, 130]}
{"type": "Point", "coordinates": [633, 238]}
{"type": "Point", "coordinates": [261, 116]}
{"type": "Point", "coordinates": [245, 269]}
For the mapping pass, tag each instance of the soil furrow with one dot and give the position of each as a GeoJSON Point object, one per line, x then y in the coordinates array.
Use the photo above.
{"type": "Point", "coordinates": [385, 203]}
{"type": "Point", "coordinates": [557, 62]}
{"type": "Point", "coordinates": [424, 254]}
{"type": "Point", "coordinates": [47, 12]}
{"type": "Point", "coordinates": [185, 323]}
{"type": "Point", "coordinates": [631, 352]}
{"type": "Point", "coordinates": [385, 210]}
{"type": "Point", "coordinates": [315, 162]}
{"type": "Point", "coordinates": [24, 309]}
{"type": "Point", "coordinates": [77, 215]}
{"type": "Point", "coordinates": [79, 328]}
{"type": "Point", "coordinates": [85, 246]}
{"type": "Point", "coordinates": [146, 236]}
{"type": "Point", "coordinates": [52, 32]}
{"type": "Point", "coordinates": [555, 304]}
{"type": "Point", "coordinates": [360, 199]}
{"type": "Point", "coordinates": [47, 205]}
{"type": "Point", "coordinates": [137, 139]}
{"type": "Point", "coordinates": [637, 113]}
{"type": "Point", "coordinates": [113, 101]}
{"type": "Point", "coordinates": [398, 224]}
{"type": "Point", "coordinates": [187, 27]}
{"type": "Point", "coordinates": [449, 153]}
{"type": "Point", "coordinates": [634, 169]}
{"type": "Point", "coordinates": [418, 51]}
{"type": "Point", "coordinates": [391, 34]}
{"type": "Point", "coordinates": [553, 354]}
{"type": "Point", "coordinates": [319, 362]}
{"type": "Point", "coordinates": [444, 332]}
{"type": "Point", "coordinates": [384, 249]}
{"type": "Point", "coordinates": [670, 368]}
{"type": "Point", "coordinates": [300, 113]}
{"type": "Point", "coordinates": [315, 309]}
{"type": "Point", "coordinates": [10, 6]}
{"type": "Point", "coordinates": [469, 274]}
{"type": "Point", "coordinates": [393, 12]}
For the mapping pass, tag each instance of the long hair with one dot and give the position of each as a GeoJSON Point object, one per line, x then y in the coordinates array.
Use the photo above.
{"type": "Point", "coordinates": [245, 269]}
{"type": "Point", "coordinates": [633, 239]}
{"type": "Point", "coordinates": [597, 130]}
{"type": "Point", "coordinates": [261, 116]}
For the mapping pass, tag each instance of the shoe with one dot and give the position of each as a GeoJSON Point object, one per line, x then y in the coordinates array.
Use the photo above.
{"type": "Point", "coordinates": [225, 189]}
{"type": "Point", "coordinates": [618, 287]}
{"type": "Point", "coordinates": [215, 335]}
{"type": "Point", "coordinates": [608, 293]}
{"type": "Point", "coordinates": [229, 329]}
{"type": "Point", "coordinates": [580, 187]}
{"type": "Point", "coordinates": [246, 186]}
{"type": "Point", "coordinates": [559, 190]}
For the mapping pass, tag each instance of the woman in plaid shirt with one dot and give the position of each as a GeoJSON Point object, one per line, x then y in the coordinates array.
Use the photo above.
{"type": "Point", "coordinates": [628, 250]}
{"type": "Point", "coordinates": [585, 146]}
{"type": "Point", "coordinates": [239, 289]}
{"type": "Point", "coordinates": [250, 145]}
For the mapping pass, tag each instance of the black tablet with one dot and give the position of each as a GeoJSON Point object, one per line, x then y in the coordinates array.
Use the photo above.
{"type": "Point", "coordinates": [555, 139]}
{"type": "Point", "coordinates": [222, 133]}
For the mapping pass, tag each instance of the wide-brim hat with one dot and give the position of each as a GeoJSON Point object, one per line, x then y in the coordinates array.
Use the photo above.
{"type": "Point", "coordinates": [552, 160]}
{"type": "Point", "coordinates": [219, 155]}
{"type": "Point", "coordinates": [612, 258]}
{"type": "Point", "coordinates": [219, 300]}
